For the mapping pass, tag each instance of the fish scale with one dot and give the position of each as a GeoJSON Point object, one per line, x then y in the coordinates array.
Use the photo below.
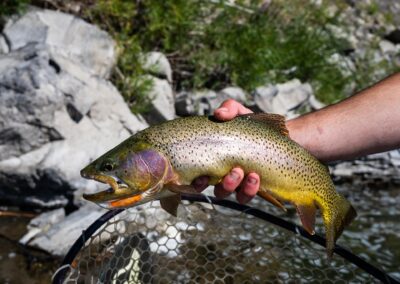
{"type": "Point", "coordinates": [201, 146]}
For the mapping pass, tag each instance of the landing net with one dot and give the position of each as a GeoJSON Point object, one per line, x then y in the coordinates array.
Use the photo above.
{"type": "Point", "coordinates": [220, 243]}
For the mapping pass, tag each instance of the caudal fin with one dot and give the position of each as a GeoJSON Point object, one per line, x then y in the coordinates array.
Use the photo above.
{"type": "Point", "coordinates": [338, 216]}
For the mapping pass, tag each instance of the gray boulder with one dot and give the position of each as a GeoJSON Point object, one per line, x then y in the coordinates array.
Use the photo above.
{"type": "Point", "coordinates": [387, 47]}
{"type": "Point", "coordinates": [197, 102]}
{"type": "Point", "coordinates": [284, 99]}
{"type": "Point", "coordinates": [204, 102]}
{"type": "Point", "coordinates": [55, 117]}
{"type": "Point", "coordinates": [65, 36]}
{"type": "Point", "coordinates": [3, 44]}
{"type": "Point", "coordinates": [189, 103]}
{"type": "Point", "coordinates": [54, 234]}
{"type": "Point", "coordinates": [314, 103]}
{"type": "Point", "coordinates": [41, 224]}
{"type": "Point", "coordinates": [235, 93]}
{"type": "Point", "coordinates": [162, 100]}
{"type": "Point", "coordinates": [157, 64]}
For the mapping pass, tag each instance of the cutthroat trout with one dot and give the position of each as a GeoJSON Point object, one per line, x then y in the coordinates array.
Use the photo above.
{"type": "Point", "coordinates": [161, 162]}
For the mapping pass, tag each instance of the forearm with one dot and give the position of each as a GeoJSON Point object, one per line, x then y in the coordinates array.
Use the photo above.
{"type": "Point", "coordinates": [365, 123]}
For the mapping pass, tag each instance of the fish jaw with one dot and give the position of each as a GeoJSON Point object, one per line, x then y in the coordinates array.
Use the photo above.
{"type": "Point", "coordinates": [131, 201]}
{"type": "Point", "coordinates": [117, 189]}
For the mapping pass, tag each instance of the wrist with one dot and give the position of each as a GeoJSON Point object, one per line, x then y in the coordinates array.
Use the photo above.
{"type": "Point", "coordinates": [297, 132]}
{"type": "Point", "coordinates": [307, 135]}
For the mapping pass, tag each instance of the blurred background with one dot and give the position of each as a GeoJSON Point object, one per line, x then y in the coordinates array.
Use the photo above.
{"type": "Point", "coordinates": [78, 77]}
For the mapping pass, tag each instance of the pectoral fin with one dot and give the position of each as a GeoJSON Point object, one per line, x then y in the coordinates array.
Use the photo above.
{"type": "Point", "coordinates": [307, 217]}
{"type": "Point", "coordinates": [125, 202]}
{"type": "Point", "coordinates": [171, 203]}
{"type": "Point", "coordinates": [268, 197]}
{"type": "Point", "coordinates": [176, 188]}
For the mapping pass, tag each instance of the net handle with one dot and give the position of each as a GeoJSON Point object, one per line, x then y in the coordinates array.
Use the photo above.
{"type": "Point", "coordinates": [377, 273]}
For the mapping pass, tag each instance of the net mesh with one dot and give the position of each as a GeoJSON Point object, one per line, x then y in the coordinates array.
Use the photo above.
{"type": "Point", "coordinates": [204, 244]}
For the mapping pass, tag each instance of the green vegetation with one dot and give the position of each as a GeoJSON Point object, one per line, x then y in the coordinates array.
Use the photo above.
{"type": "Point", "coordinates": [214, 43]}
{"type": "Point", "coordinates": [118, 17]}
{"type": "Point", "coordinates": [10, 7]}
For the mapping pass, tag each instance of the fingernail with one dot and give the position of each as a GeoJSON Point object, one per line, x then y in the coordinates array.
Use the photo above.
{"type": "Point", "coordinates": [234, 175]}
{"type": "Point", "coordinates": [252, 180]}
{"type": "Point", "coordinates": [222, 109]}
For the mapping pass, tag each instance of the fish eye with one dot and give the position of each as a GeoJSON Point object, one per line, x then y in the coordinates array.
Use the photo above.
{"type": "Point", "coordinates": [107, 166]}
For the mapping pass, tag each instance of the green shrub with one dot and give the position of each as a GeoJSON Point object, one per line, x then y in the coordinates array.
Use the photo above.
{"type": "Point", "coordinates": [10, 7]}
{"type": "Point", "coordinates": [212, 44]}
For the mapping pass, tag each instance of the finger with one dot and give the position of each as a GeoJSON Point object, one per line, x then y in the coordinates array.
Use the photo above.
{"type": "Point", "coordinates": [232, 180]}
{"type": "Point", "coordinates": [230, 109]}
{"type": "Point", "coordinates": [249, 188]}
{"type": "Point", "coordinates": [220, 192]}
{"type": "Point", "coordinates": [200, 183]}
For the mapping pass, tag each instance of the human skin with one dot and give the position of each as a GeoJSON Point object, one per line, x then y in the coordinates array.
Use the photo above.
{"type": "Point", "coordinates": [365, 123]}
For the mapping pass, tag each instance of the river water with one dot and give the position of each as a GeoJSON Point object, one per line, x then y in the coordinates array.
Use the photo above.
{"type": "Point", "coordinates": [374, 236]}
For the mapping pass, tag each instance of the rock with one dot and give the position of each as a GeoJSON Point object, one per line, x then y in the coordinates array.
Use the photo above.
{"type": "Point", "coordinates": [264, 95]}
{"type": "Point", "coordinates": [41, 224]}
{"type": "Point", "coordinates": [345, 64]}
{"type": "Point", "coordinates": [66, 36]}
{"type": "Point", "coordinates": [197, 102]}
{"type": "Point", "coordinates": [162, 100]}
{"type": "Point", "coordinates": [25, 103]}
{"type": "Point", "coordinates": [235, 93]}
{"type": "Point", "coordinates": [58, 237]}
{"type": "Point", "coordinates": [157, 64]}
{"type": "Point", "coordinates": [315, 103]}
{"type": "Point", "coordinates": [204, 102]}
{"type": "Point", "coordinates": [393, 36]}
{"type": "Point", "coordinates": [284, 98]}
{"type": "Point", "coordinates": [3, 45]}
{"type": "Point", "coordinates": [55, 117]}
{"type": "Point", "coordinates": [184, 104]}
{"type": "Point", "coordinates": [387, 47]}
{"type": "Point", "coordinates": [395, 159]}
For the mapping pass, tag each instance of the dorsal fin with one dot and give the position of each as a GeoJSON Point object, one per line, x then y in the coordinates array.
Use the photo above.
{"type": "Point", "coordinates": [273, 120]}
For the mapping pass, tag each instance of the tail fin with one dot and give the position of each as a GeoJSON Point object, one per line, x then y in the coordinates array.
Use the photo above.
{"type": "Point", "coordinates": [336, 217]}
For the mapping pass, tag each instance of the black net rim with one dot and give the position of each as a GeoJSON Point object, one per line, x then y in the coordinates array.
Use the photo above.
{"type": "Point", "coordinates": [377, 273]}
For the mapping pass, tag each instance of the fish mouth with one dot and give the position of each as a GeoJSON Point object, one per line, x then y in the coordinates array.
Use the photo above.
{"type": "Point", "coordinates": [117, 191]}
{"type": "Point", "coordinates": [115, 183]}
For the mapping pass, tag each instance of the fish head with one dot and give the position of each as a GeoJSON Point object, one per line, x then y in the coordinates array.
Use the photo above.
{"type": "Point", "coordinates": [136, 176]}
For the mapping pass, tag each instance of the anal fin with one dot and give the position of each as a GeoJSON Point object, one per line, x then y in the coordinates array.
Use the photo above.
{"type": "Point", "coordinates": [171, 203]}
{"type": "Point", "coordinates": [307, 217]}
{"type": "Point", "coordinates": [268, 197]}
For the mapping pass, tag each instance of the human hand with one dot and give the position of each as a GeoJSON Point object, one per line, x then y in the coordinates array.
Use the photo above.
{"type": "Point", "coordinates": [246, 187]}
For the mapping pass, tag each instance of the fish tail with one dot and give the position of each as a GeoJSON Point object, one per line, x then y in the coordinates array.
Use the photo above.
{"type": "Point", "coordinates": [337, 216]}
